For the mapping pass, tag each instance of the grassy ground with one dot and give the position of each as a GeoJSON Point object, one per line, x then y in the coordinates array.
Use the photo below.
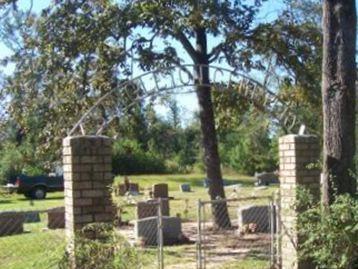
{"type": "Point", "coordinates": [185, 204]}
{"type": "Point", "coordinates": [37, 247]}
{"type": "Point", "coordinates": [19, 202]}
{"type": "Point", "coordinates": [41, 248]}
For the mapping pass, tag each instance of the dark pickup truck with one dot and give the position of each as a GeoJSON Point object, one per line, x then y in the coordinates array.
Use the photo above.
{"type": "Point", "coordinates": [36, 187]}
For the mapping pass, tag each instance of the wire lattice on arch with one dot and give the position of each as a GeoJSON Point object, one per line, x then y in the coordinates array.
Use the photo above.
{"type": "Point", "coordinates": [180, 79]}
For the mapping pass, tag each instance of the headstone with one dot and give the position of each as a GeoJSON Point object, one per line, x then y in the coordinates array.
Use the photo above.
{"type": "Point", "coordinates": [56, 218]}
{"type": "Point", "coordinates": [259, 215]}
{"type": "Point", "coordinates": [133, 187]}
{"type": "Point", "coordinates": [11, 222]}
{"type": "Point", "coordinates": [147, 230]}
{"type": "Point", "coordinates": [32, 216]}
{"type": "Point", "coordinates": [120, 189]}
{"type": "Point", "coordinates": [149, 208]}
{"type": "Point", "coordinates": [126, 183]}
{"type": "Point", "coordinates": [160, 190]}
{"type": "Point", "coordinates": [185, 188]}
{"type": "Point", "coordinates": [266, 178]}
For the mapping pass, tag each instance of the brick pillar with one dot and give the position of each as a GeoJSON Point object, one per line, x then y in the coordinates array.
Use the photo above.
{"type": "Point", "coordinates": [296, 152]}
{"type": "Point", "coordinates": [87, 166]}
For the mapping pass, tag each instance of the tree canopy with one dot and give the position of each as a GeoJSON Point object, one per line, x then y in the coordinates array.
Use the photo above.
{"type": "Point", "coordinates": [75, 51]}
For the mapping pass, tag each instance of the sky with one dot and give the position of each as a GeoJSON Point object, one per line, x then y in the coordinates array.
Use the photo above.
{"type": "Point", "coordinates": [187, 102]}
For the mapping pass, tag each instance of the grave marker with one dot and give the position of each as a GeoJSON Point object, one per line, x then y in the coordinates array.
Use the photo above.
{"type": "Point", "coordinates": [11, 222]}
{"type": "Point", "coordinates": [160, 190]}
{"type": "Point", "coordinates": [56, 218]}
{"type": "Point", "coordinates": [185, 188]}
{"type": "Point", "coordinates": [260, 215]}
{"type": "Point", "coordinates": [147, 230]}
{"type": "Point", "coordinates": [149, 208]}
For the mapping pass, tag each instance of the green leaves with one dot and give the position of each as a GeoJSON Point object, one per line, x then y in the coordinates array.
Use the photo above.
{"type": "Point", "coordinates": [72, 53]}
{"type": "Point", "coordinates": [331, 234]}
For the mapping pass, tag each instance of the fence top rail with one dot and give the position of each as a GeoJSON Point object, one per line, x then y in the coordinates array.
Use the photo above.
{"type": "Point", "coordinates": [40, 211]}
{"type": "Point", "coordinates": [268, 197]}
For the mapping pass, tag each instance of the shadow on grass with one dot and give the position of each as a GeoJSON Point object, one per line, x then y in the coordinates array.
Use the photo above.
{"type": "Point", "coordinates": [199, 182]}
{"type": "Point", "coordinates": [257, 255]}
{"type": "Point", "coordinates": [43, 200]}
{"type": "Point", "coordinates": [244, 182]}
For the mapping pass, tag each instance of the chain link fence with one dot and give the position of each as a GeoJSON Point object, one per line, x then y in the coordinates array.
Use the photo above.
{"type": "Point", "coordinates": [32, 239]}
{"type": "Point", "coordinates": [228, 234]}
{"type": "Point", "coordinates": [37, 238]}
{"type": "Point", "coordinates": [232, 232]}
{"type": "Point", "coordinates": [145, 231]}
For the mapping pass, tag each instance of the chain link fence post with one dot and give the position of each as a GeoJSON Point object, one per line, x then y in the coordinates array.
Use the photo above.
{"type": "Point", "coordinates": [160, 236]}
{"type": "Point", "coordinates": [199, 254]}
{"type": "Point", "coordinates": [205, 235]}
{"type": "Point", "coordinates": [278, 228]}
{"type": "Point", "coordinates": [272, 231]}
{"type": "Point", "coordinates": [253, 232]}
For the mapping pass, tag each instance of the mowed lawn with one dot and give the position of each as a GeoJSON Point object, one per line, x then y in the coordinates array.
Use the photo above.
{"type": "Point", "coordinates": [37, 247]}
{"type": "Point", "coordinates": [41, 248]}
{"type": "Point", "coordinates": [20, 203]}
{"type": "Point", "coordinates": [185, 204]}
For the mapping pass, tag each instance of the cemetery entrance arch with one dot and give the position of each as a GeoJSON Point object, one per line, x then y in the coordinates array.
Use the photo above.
{"type": "Point", "coordinates": [180, 80]}
{"type": "Point", "coordinates": [87, 154]}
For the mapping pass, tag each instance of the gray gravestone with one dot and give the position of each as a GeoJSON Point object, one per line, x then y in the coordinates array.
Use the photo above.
{"type": "Point", "coordinates": [56, 218]}
{"type": "Point", "coordinates": [32, 216]}
{"type": "Point", "coordinates": [149, 208]}
{"type": "Point", "coordinates": [160, 190]}
{"type": "Point", "coordinates": [133, 187]}
{"type": "Point", "coordinates": [120, 189]}
{"type": "Point", "coordinates": [185, 188]}
{"type": "Point", "coordinates": [11, 222]}
{"type": "Point", "coordinates": [147, 230]}
{"type": "Point", "coordinates": [266, 178]}
{"type": "Point", "coordinates": [260, 215]}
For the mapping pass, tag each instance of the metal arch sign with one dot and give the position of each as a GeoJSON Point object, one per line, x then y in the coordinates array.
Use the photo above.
{"type": "Point", "coordinates": [180, 80]}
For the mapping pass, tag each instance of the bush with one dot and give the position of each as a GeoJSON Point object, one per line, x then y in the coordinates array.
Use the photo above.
{"type": "Point", "coordinates": [330, 234]}
{"type": "Point", "coordinates": [128, 158]}
{"type": "Point", "coordinates": [178, 164]}
{"type": "Point", "coordinates": [10, 163]}
{"type": "Point", "coordinates": [98, 246]}
{"type": "Point", "coordinates": [14, 160]}
{"type": "Point", "coordinates": [248, 155]}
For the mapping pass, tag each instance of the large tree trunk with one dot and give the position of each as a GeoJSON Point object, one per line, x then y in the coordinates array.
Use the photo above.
{"type": "Point", "coordinates": [338, 92]}
{"type": "Point", "coordinates": [211, 154]}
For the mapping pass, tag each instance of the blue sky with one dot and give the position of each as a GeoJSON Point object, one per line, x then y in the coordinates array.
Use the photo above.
{"type": "Point", "coordinates": [187, 102]}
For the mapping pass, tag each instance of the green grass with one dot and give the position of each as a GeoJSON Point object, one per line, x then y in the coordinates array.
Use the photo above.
{"type": "Point", "coordinates": [186, 204]}
{"type": "Point", "coordinates": [246, 264]}
{"type": "Point", "coordinates": [19, 202]}
{"type": "Point", "coordinates": [41, 248]}
{"type": "Point", "coordinates": [184, 256]}
{"type": "Point", "coordinates": [36, 248]}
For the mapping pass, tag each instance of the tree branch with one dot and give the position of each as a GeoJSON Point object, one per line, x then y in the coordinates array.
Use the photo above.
{"type": "Point", "coordinates": [215, 52]}
{"type": "Point", "coordinates": [186, 44]}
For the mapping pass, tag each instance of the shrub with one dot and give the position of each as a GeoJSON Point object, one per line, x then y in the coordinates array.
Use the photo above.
{"type": "Point", "coordinates": [248, 154]}
{"type": "Point", "coordinates": [14, 160]}
{"type": "Point", "coordinates": [128, 158]}
{"type": "Point", "coordinates": [99, 246]}
{"type": "Point", "coordinates": [177, 165]}
{"type": "Point", "coordinates": [10, 163]}
{"type": "Point", "coordinates": [330, 234]}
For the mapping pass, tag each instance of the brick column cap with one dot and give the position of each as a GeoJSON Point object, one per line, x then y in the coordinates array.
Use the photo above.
{"type": "Point", "coordinates": [292, 138]}
{"type": "Point", "coordinates": [72, 140]}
